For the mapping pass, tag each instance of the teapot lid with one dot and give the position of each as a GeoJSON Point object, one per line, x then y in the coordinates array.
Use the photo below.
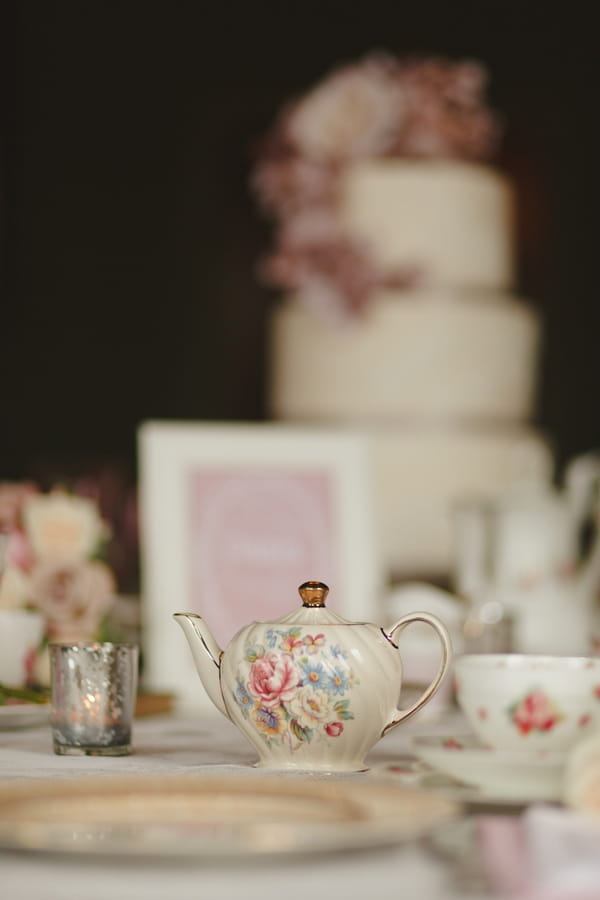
{"type": "Point", "coordinates": [313, 610]}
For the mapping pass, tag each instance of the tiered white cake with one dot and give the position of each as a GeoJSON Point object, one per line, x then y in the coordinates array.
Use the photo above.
{"type": "Point", "coordinates": [440, 362]}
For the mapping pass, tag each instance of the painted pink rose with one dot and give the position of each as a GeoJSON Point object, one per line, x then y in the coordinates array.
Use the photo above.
{"type": "Point", "coordinates": [273, 679]}
{"type": "Point", "coordinates": [452, 744]}
{"type": "Point", "coordinates": [535, 712]}
{"type": "Point", "coordinates": [334, 729]}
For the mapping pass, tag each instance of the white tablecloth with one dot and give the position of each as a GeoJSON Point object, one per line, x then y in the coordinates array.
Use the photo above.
{"type": "Point", "coordinates": [184, 744]}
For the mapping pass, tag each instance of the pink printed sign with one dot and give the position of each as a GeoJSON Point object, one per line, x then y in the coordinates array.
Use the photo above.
{"type": "Point", "coordinates": [254, 536]}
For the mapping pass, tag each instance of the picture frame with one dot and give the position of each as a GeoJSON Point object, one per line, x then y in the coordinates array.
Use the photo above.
{"type": "Point", "coordinates": [233, 518]}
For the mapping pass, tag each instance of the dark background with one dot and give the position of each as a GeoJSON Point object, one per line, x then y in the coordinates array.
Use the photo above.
{"type": "Point", "coordinates": [130, 238]}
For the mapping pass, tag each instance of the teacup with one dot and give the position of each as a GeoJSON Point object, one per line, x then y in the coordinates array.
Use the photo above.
{"type": "Point", "coordinates": [21, 632]}
{"type": "Point", "coordinates": [529, 702]}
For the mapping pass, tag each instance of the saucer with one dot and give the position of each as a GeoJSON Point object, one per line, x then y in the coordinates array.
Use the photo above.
{"type": "Point", "coordinates": [503, 775]}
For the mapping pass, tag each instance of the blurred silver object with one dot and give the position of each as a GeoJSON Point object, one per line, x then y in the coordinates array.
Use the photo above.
{"type": "Point", "coordinates": [94, 688]}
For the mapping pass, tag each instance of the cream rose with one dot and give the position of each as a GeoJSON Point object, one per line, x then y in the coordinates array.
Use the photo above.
{"type": "Point", "coordinates": [63, 526]}
{"type": "Point", "coordinates": [311, 707]}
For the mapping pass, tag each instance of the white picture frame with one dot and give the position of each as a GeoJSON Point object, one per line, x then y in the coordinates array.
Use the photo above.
{"type": "Point", "coordinates": [233, 518]}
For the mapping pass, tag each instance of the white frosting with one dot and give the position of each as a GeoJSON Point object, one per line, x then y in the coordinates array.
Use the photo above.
{"type": "Point", "coordinates": [417, 355]}
{"type": "Point", "coordinates": [442, 376]}
{"type": "Point", "coordinates": [452, 221]}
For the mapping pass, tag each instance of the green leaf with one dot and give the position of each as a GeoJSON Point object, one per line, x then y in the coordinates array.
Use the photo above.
{"type": "Point", "coordinates": [254, 653]}
{"type": "Point", "coordinates": [303, 734]}
{"type": "Point", "coordinates": [24, 694]}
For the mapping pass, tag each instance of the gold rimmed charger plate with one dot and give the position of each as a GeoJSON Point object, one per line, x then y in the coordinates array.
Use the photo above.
{"type": "Point", "coordinates": [211, 818]}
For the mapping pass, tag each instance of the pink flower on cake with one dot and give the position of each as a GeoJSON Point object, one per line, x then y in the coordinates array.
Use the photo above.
{"type": "Point", "coordinates": [535, 712]}
{"type": "Point", "coordinates": [355, 112]}
{"type": "Point", "coordinates": [332, 276]}
{"type": "Point", "coordinates": [288, 184]}
{"type": "Point", "coordinates": [378, 108]}
{"type": "Point", "coordinates": [445, 114]}
{"type": "Point", "coordinates": [73, 596]}
{"type": "Point", "coordinates": [273, 679]}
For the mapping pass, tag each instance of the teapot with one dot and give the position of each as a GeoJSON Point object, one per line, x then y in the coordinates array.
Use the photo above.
{"type": "Point", "coordinates": [311, 690]}
{"type": "Point", "coordinates": [536, 552]}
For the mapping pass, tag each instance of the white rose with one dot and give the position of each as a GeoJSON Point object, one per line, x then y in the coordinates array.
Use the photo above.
{"type": "Point", "coordinates": [356, 112]}
{"type": "Point", "coordinates": [310, 707]}
{"type": "Point", "coordinates": [62, 526]}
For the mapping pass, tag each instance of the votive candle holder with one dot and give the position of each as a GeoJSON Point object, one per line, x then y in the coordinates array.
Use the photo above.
{"type": "Point", "coordinates": [94, 688]}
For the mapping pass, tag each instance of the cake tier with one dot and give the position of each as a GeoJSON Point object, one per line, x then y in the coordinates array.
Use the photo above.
{"type": "Point", "coordinates": [418, 355]}
{"type": "Point", "coordinates": [452, 222]}
{"type": "Point", "coordinates": [422, 474]}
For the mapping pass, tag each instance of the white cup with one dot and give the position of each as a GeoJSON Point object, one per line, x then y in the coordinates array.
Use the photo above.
{"type": "Point", "coordinates": [529, 702]}
{"type": "Point", "coordinates": [21, 632]}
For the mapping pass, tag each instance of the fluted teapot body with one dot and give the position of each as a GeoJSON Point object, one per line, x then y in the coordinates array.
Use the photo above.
{"type": "Point", "coordinates": [310, 690]}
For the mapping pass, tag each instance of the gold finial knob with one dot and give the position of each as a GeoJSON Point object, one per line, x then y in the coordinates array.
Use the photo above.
{"type": "Point", "coordinates": [313, 593]}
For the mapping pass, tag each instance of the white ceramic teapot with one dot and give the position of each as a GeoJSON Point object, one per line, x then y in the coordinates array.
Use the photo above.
{"type": "Point", "coordinates": [310, 690]}
{"type": "Point", "coordinates": [528, 551]}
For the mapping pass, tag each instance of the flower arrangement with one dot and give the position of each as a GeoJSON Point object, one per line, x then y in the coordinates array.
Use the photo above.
{"type": "Point", "coordinates": [291, 696]}
{"type": "Point", "coordinates": [54, 564]}
{"type": "Point", "coordinates": [378, 108]}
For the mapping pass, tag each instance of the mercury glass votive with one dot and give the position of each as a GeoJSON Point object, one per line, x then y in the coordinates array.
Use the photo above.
{"type": "Point", "coordinates": [94, 687]}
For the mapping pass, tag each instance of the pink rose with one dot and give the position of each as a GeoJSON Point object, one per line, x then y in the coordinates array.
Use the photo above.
{"type": "Point", "coordinates": [273, 679]}
{"type": "Point", "coordinates": [334, 729]}
{"type": "Point", "coordinates": [535, 713]}
{"type": "Point", "coordinates": [73, 597]}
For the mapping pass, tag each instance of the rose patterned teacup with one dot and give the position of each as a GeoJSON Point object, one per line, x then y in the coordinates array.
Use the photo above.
{"type": "Point", "coordinates": [529, 702]}
{"type": "Point", "coordinates": [21, 632]}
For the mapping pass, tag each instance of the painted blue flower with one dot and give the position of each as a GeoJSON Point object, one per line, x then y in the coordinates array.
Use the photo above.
{"type": "Point", "coordinates": [338, 652]}
{"type": "Point", "coordinates": [242, 696]}
{"type": "Point", "coordinates": [314, 674]}
{"type": "Point", "coordinates": [272, 637]}
{"type": "Point", "coordinates": [337, 681]}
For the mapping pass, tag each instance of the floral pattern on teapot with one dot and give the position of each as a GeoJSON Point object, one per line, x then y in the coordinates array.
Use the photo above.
{"type": "Point", "coordinates": [296, 689]}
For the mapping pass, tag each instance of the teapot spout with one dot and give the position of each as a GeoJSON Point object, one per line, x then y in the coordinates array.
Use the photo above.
{"type": "Point", "coordinates": [207, 655]}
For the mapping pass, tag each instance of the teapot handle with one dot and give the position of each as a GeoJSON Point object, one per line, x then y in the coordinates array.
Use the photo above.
{"type": "Point", "coordinates": [446, 644]}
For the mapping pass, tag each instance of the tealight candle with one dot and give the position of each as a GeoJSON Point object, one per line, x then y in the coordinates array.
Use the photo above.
{"type": "Point", "coordinates": [93, 697]}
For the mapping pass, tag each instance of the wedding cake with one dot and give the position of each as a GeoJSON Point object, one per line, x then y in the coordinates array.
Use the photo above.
{"type": "Point", "coordinates": [395, 253]}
